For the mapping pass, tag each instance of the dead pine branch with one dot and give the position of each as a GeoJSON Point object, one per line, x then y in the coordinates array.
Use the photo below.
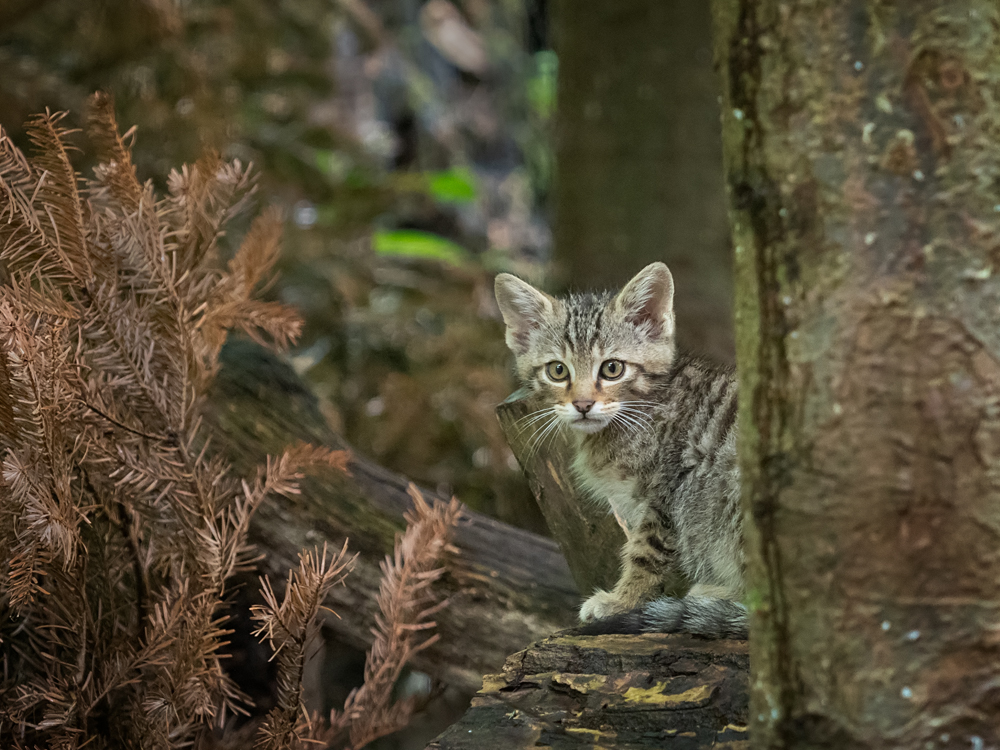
{"type": "Point", "coordinates": [118, 531]}
{"type": "Point", "coordinates": [407, 605]}
{"type": "Point", "coordinates": [288, 627]}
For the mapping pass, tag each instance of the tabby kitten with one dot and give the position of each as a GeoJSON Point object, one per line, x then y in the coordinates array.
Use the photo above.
{"type": "Point", "coordinates": [655, 437]}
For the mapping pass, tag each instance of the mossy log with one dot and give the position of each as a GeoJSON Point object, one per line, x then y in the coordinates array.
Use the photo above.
{"type": "Point", "coordinates": [613, 691]}
{"type": "Point", "coordinates": [506, 587]}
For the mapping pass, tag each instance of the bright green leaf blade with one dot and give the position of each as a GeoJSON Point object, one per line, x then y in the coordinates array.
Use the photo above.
{"type": "Point", "coordinates": [412, 243]}
{"type": "Point", "coordinates": [453, 185]}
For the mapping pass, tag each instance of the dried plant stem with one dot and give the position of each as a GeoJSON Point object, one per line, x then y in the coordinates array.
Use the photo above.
{"type": "Point", "coordinates": [407, 605]}
{"type": "Point", "coordinates": [289, 626]}
{"type": "Point", "coordinates": [117, 530]}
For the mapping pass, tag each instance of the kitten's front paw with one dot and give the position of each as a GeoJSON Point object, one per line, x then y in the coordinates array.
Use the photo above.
{"type": "Point", "coordinates": [602, 604]}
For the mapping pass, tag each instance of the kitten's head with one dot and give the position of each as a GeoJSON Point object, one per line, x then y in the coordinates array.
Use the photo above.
{"type": "Point", "coordinates": [592, 359]}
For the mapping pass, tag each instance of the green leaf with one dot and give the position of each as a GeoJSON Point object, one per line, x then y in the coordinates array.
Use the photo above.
{"type": "Point", "coordinates": [412, 243]}
{"type": "Point", "coordinates": [453, 185]}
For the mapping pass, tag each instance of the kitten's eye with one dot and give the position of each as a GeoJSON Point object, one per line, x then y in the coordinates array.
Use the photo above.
{"type": "Point", "coordinates": [557, 371]}
{"type": "Point", "coordinates": [612, 369]}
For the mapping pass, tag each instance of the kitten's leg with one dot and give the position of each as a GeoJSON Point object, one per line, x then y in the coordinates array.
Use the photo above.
{"type": "Point", "coordinates": [648, 560]}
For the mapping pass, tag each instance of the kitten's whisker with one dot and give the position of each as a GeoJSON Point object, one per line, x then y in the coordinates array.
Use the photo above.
{"type": "Point", "coordinates": [532, 417]}
{"type": "Point", "coordinates": [640, 403]}
{"type": "Point", "coordinates": [536, 417]}
{"type": "Point", "coordinates": [539, 435]}
{"type": "Point", "coordinates": [637, 417]}
{"type": "Point", "coordinates": [634, 410]}
{"type": "Point", "coordinates": [533, 443]}
{"type": "Point", "coordinates": [632, 428]}
{"type": "Point", "coordinates": [634, 404]}
{"type": "Point", "coordinates": [550, 432]}
{"type": "Point", "coordinates": [624, 426]}
{"type": "Point", "coordinates": [621, 419]}
{"type": "Point", "coordinates": [637, 414]}
{"type": "Point", "coordinates": [544, 438]}
{"type": "Point", "coordinates": [636, 423]}
{"type": "Point", "coordinates": [533, 423]}
{"type": "Point", "coordinates": [531, 414]}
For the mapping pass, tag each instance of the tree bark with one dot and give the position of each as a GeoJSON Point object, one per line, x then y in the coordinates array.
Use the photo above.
{"type": "Point", "coordinates": [589, 536]}
{"type": "Point", "coordinates": [622, 691]}
{"type": "Point", "coordinates": [506, 587]}
{"type": "Point", "coordinates": [862, 161]}
{"type": "Point", "coordinates": [638, 160]}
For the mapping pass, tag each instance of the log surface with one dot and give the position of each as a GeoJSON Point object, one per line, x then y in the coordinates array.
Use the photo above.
{"type": "Point", "coordinates": [507, 587]}
{"type": "Point", "coordinates": [614, 691]}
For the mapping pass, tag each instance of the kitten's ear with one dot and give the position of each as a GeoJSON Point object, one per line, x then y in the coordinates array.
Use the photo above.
{"type": "Point", "coordinates": [523, 308]}
{"type": "Point", "coordinates": [647, 301]}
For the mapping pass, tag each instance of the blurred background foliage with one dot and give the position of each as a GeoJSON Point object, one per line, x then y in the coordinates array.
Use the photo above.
{"type": "Point", "coordinates": [416, 148]}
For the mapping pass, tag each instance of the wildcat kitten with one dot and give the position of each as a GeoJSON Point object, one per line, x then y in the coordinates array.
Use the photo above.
{"type": "Point", "coordinates": [655, 435]}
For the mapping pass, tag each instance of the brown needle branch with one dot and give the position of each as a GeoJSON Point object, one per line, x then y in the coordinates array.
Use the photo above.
{"type": "Point", "coordinates": [407, 604]}
{"type": "Point", "coordinates": [289, 626]}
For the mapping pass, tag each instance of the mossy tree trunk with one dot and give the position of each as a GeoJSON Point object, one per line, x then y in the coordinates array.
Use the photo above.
{"type": "Point", "coordinates": [862, 146]}
{"type": "Point", "coordinates": [638, 162]}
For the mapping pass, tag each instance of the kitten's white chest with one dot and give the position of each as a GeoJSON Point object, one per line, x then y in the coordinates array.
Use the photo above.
{"type": "Point", "coordinates": [606, 485]}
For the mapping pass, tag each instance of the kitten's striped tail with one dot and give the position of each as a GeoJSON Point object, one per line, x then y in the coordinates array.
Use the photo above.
{"type": "Point", "coordinates": [698, 615]}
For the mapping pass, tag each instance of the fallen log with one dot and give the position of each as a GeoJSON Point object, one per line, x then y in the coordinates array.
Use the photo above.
{"type": "Point", "coordinates": [614, 691]}
{"type": "Point", "coordinates": [507, 587]}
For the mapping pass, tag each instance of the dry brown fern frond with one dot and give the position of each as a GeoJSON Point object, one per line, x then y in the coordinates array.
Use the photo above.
{"type": "Point", "coordinates": [32, 232]}
{"type": "Point", "coordinates": [289, 626]}
{"type": "Point", "coordinates": [118, 530]}
{"type": "Point", "coordinates": [41, 509]}
{"type": "Point", "coordinates": [200, 202]}
{"type": "Point", "coordinates": [116, 170]}
{"type": "Point", "coordinates": [233, 305]}
{"type": "Point", "coordinates": [407, 605]}
{"type": "Point", "coordinates": [63, 224]}
{"type": "Point", "coordinates": [280, 476]}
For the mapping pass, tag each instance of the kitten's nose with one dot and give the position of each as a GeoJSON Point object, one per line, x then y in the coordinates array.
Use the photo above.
{"type": "Point", "coordinates": [583, 406]}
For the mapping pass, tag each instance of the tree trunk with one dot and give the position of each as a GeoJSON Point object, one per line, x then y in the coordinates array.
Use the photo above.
{"type": "Point", "coordinates": [638, 162]}
{"type": "Point", "coordinates": [861, 143]}
{"type": "Point", "coordinates": [589, 536]}
{"type": "Point", "coordinates": [507, 587]}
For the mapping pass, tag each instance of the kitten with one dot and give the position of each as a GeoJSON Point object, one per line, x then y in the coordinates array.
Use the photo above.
{"type": "Point", "coordinates": [655, 437]}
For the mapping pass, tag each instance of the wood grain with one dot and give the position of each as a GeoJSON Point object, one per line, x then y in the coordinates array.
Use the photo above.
{"type": "Point", "coordinates": [588, 535]}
